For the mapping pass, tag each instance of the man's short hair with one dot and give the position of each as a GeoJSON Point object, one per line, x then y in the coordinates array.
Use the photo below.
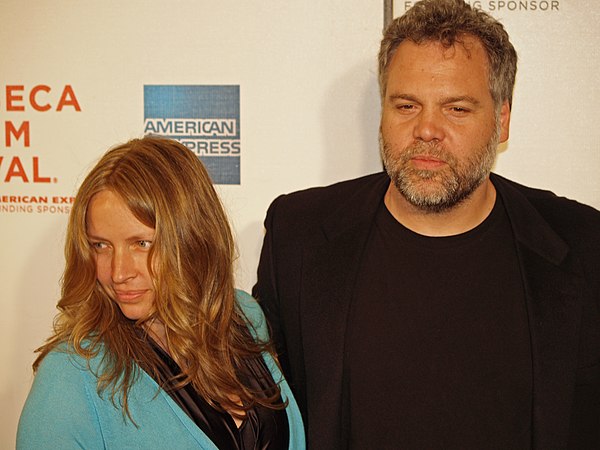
{"type": "Point", "coordinates": [447, 21]}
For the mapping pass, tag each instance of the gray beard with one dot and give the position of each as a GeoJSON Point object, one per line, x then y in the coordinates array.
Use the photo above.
{"type": "Point", "coordinates": [438, 191]}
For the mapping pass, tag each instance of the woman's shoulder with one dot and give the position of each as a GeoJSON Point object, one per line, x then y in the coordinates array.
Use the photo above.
{"type": "Point", "coordinates": [253, 313]}
{"type": "Point", "coordinates": [61, 370]}
{"type": "Point", "coordinates": [59, 401]}
{"type": "Point", "coordinates": [246, 301]}
{"type": "Point", "coordinates": [64, 362]}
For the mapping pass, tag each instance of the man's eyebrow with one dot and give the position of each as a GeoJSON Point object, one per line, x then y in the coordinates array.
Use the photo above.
{"type": "Point", "coordinates": [409, 97]}
{"type": "Point", "coordinates": [460, 98]}
{"type": "Point", "coordinates": [443, 100]}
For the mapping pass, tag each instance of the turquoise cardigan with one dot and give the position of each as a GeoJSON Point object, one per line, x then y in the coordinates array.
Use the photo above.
{"type": "Point", "coordinates": [64, 411]}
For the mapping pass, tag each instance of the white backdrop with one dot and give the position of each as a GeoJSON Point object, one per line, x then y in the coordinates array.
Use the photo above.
{"type": "Point", "coordinates": [309, 116]}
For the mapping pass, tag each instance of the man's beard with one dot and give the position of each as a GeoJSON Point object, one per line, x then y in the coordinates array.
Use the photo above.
{"type": "Point", "coordinates": [435, 191]}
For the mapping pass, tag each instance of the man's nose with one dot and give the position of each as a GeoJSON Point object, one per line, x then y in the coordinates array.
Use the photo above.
{"type": "Point", "coordinates": [429, 125]}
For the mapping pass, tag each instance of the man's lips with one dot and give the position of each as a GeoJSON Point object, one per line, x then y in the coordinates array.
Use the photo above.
{"type": "Point", "coordinates": [128, 296]}
{"type": "Point", "coordinates": [427, 162]}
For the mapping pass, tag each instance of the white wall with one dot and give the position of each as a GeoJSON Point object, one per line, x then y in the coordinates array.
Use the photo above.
{"type": "Point", "coordinates": [309, 116]}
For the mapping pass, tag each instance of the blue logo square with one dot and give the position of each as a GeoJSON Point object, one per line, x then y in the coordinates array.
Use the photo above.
{"type": "Point", "coordinates": [206, 119]}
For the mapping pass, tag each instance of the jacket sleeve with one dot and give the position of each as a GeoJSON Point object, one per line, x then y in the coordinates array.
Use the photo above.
{"type": "Point", "coordinates": [60, 411]}
{"type": "Point", "coordinates": [265, 289]}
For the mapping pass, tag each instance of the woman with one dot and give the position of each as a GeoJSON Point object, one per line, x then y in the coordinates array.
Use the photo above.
{"type": "Point", "coordinates": [153, 347]}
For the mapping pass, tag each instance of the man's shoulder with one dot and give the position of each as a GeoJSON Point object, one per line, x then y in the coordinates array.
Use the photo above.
{"type": "Point", "coordinates": [300, 212]}
{"type": "Point", "coordinates": [326, 197]}
{"type": "Point", "coordinates": [567, 216]}
{"type": "Point", "coordinates": [544, 198]}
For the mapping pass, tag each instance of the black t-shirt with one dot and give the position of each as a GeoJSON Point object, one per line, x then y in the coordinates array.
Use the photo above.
{"type": "Point", "coordinates": [438, 352]}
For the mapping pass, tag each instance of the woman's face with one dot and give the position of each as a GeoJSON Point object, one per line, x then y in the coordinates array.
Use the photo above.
{"type": "Point", "coordinates": [121, 245]}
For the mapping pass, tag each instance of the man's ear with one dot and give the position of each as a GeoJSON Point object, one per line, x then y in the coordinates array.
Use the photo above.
{"type": "Point", "coordinates": [504, 121]}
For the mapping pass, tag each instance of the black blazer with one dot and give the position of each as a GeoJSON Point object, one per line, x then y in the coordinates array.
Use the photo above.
{"type": "Point", "coordinates": [308, 266]}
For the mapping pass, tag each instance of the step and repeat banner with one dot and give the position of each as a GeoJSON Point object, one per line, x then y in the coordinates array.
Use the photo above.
{"type": "Point", "coordinates": [272, 96]}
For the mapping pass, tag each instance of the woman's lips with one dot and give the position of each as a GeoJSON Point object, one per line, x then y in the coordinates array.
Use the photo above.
{"type": "Point", "coordinates": [128, 296]}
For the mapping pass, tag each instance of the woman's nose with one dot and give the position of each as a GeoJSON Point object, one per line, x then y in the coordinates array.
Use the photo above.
{"type": "Point", "coordinates": [123, 266]}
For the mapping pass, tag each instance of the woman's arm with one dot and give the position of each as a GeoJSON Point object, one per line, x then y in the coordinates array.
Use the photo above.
{"type": "Point", "coordinates": [60, 411]}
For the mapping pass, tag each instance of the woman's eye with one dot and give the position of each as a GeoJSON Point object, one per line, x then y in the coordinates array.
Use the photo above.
{"type": "Point", "coordinates": [98, 245]}
{"type": "Point", "coordinates": [145, 244]}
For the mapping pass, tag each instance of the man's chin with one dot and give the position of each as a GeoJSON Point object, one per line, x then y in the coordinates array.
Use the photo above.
{"type": "Point", "coordinates": [430, 206]}
{"type": "Point", "coordinates": [429, 196]}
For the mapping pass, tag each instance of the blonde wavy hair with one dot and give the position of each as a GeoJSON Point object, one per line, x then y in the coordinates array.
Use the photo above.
{"type": "Point", "coordinates": [191, 260]}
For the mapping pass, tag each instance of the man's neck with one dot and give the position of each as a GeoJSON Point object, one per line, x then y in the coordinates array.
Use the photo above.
{"type": "Point", "coordinates": [461, 218]}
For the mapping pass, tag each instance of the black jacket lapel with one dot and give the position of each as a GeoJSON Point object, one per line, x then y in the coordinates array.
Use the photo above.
{"type": "Point", "coordinates": [331, 267]}
{"type": "Point", "coordinates": [553, 290]}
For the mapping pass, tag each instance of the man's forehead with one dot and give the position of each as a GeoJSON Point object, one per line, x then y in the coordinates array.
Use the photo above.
{"type": "Point", "coordinates": [432, 68]}
{"type": "Point", "coordinates": [427, 55]}
{"type": "Point", "coordinates": [464, 42]}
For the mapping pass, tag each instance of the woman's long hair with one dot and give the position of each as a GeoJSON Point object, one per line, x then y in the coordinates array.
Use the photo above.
{"type": "Point", "coordinates": [191, 263]}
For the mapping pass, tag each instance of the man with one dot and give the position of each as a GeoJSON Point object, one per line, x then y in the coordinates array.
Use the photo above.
{"type": "Point", "coordinates": [437, 305]}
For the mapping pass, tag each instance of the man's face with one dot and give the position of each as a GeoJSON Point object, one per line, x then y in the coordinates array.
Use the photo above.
{"type": "Point", "coordinates": [439, 127]}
